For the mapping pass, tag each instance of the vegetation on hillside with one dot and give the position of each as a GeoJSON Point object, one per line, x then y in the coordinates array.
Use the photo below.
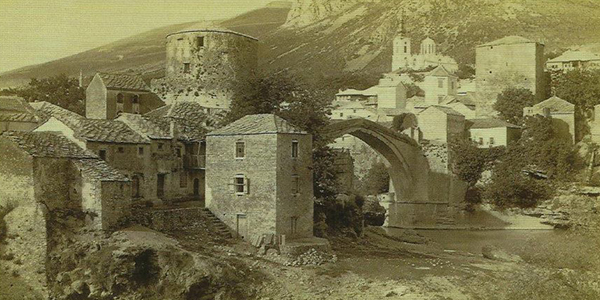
{"type": "Point", "coordinates": [59, 90]}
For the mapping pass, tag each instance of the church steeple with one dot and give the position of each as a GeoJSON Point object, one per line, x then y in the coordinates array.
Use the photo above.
{"type": "Point", "coordinates": [402, 25]}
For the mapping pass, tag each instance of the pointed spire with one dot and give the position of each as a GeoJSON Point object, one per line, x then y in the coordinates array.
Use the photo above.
{"type": "Point", "coordinates": [402, 24]}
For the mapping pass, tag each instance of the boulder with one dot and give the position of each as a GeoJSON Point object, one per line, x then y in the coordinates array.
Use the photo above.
{"type": "Point", "coordinates": [495, 253]}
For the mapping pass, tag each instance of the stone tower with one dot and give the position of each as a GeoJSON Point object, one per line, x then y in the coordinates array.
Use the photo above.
{"type": "Point", "coordinates": [210, 66]}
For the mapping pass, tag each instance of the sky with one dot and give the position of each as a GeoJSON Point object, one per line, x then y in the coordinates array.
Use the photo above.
{"type": "Point", "coordinates": [37, 31]}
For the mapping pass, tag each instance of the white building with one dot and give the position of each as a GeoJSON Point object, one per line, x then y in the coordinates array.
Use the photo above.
{"type": "Point", "coordinates": [489, 132]}
{"type": "Point", "coordinates": [439, 84]}
{"type": "Point", "coordinates": [572, 60]}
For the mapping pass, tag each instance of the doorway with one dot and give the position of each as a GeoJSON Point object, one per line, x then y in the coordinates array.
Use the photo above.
{"type": "Point", "coordinates": [242, 226]}
{"type": "Point", "coordinates": [160, 185]}
{"type": "Point", "coordinates": [196, 188]}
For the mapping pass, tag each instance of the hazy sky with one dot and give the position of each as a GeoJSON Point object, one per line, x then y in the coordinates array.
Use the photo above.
{"type": "Point", "coordinates": [36, 31]}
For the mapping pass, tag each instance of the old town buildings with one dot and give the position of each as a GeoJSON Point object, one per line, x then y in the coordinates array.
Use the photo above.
{"type": "Point", "coordinates": [16, 114]}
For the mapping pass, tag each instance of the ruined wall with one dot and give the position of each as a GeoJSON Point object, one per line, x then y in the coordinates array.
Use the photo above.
{"type": "Point", "coordinates": [298, 205]}
{"type": "Point", "coordinates": [259, 167]}
{"type": "Point", "coordinates": [209, 66]}
{"type": "Point", "coordinates": [95, 99]}
{"type": "Point", "coordinates": [17, 126]}
{"type": "Point", "coordinates": [16, 173]}
{"type": "Point", "coordinates": [56, 184]}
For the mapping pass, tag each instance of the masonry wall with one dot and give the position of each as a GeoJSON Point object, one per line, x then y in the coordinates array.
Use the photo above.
{"type": "Point", "coordinates": [434, 125]}
{"type": "Point", "coordinates": [219, 70]}
{"type": "Point", "coordinates": [147, 102]}
{"type": "Point", "coordinates": [116, 203]}
{"type": "Point", "coordinates": [56, 184]}
{"type": "Point", "coordinates": [260, 168]}
{"type": "Point", "coordinates": [298, 205]}
{"type": "Point", "coordinates": [525, 59]}
{"type": "Point", "coordinates": [433, 91]}
{"type": "Point", "coordinates": [95, 99]}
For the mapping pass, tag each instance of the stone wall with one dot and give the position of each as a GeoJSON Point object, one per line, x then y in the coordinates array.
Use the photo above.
{"type": "Point", "coordinates": [95, 99]}
{"type": "Point", "coordinates": [260, 169]}
{"type": "Point", "coordinates": [212, 72]}
{"type": "Point", "coordinates": [298, 205]}
{"type": "Point", "coordinates": [17, 126]}
{"type": "Point", "coordinates": [116, 203]}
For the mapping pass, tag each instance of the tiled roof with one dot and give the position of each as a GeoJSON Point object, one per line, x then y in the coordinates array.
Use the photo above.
{"type": "Point", "coordinates": [94, 130]}
{"type": "Point", "coordinates": [108, 131]}
{"type": "Point", "coordinates": [123, 82]}
{"type": "Point", "coordinates": [575, 56]}
{"type": "Point", "coordinates": [467, 100]}
{"type": "Point", "coordinates": [16, 109]}
{"type": "Point", "coordinates": [100, 170]}
{"type": "Point", "coordinates": [258, 124]}
{"type": "Point", "coordinates": [490, 123]}
{"type": "Point", "coordinates": [145, 126]}
{"type": "Point", "coordinates": [192, 123]}
{"type": "Point", "coordinates": [440, 71]}
{"type": "Point", "coordinates": [556, 104]}
{"type": "Point", "coordinates": [353, 92]}
{"type": "Point", "coordinates": [508, 40]}
{"type": "Point", "coordinates": [418, 102]}
{"type": "Point", "coordinates": [45, 110]}
{"type": "Point", "coordinates": [46, 144]}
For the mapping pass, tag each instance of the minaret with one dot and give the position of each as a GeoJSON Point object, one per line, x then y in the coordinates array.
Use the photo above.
{"type": "Point", "coordinates": [402, 50]}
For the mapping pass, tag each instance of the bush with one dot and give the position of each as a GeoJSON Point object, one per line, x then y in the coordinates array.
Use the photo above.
{"type": "Point", "coordinates": [339, 214]}
{"type": "Point", "coordinates": [374, 213]}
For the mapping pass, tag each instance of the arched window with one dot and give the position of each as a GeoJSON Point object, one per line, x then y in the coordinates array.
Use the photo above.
{"type": "Point", "coordinates": [120, 102]}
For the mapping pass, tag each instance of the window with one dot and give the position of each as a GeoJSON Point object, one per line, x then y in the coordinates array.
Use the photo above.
{"type": "Point", "coordinates": [492, 141]}
{"type": "Point", "coordinates": [120, 102]}
{"type": "Point", "coordinates": [440, 98]}
{"type": "Point", "coordinates": [480, 141]}
{"type": "Point", "coordinates": [178, 151]}
{"type": "Point", "coordinates": [240, 150]}
{"type": "Point", "coordinates": [141, 151]}
{"type": "Point", "coordinates": [452, 84]}
{"type": "Point", "coordinates": [341, 115]}
{"type": "Point", "coordinates": [294, 225]}
{"type": "Point", "coordinates": [182, 179]}
{"type": "Point", "coordinates": [354, 110]}
{"type": "Point", "coordinates": [200, 41]}
{"type": "Point", "coordinates": [121, 150]}
{"type": "Point", "coordinates": [405, 49]}
{"type": "Point", "coordinates": [102, 154]}
{"type": "Point", "coordinates": [240, 184]}
{"type": "Point", "coordinates": [135, 103]}
{"type": "Point", "coordinates": [440, 82]}
{"type": "Point", "coordinates": [295, 184]}
{"type": "Point", "coordinates": [295, 148]}
{"type": "Point", "coordinates": [186, 68]}
{"type": "Point", "coordinates": [135, 185]}
{"type": "Point", "coordinates": [160, 146]}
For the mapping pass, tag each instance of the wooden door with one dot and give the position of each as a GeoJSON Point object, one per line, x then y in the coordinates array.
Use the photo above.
{"type": "Point", "coordinates": [242, 226]}
{"type": "Point", "coordinates": [160, 185]}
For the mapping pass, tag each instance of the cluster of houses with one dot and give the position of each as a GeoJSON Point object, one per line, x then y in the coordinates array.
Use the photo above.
{"type": "Point", "coordinates": [449, 106]}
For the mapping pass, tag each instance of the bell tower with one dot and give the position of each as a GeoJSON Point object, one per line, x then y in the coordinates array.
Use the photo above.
{"type": "Point", "coordinates": [402, 47]}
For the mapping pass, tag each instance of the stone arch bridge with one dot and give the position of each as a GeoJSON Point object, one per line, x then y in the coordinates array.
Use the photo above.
{"type": "Point", "coordinates": [420, 196]}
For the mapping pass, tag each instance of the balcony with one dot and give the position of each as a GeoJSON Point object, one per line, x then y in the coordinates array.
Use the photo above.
{"type": "Point", "coordinates": [194, 162]}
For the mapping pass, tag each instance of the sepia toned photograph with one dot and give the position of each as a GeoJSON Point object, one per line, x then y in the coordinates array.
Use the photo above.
{"type": "Point", "coordinates": [300, 149]}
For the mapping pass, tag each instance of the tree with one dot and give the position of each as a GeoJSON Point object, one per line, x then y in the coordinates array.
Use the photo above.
{"type": "Point", "coordinates": [465, 72]}
{"type": "Point", "coordinates": [510, 104]}
{"type": "Point", "coordinates": [59, 90]}
{"type": "Point", "coordinates": [376, 181]}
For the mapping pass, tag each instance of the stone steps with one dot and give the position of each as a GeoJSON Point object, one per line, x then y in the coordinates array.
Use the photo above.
{"type": "Point", "coordinates": [220, 227]}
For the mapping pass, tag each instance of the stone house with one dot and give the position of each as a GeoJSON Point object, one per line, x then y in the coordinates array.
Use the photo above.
{"type": "Point", "coordinates": [441, 123]}
{"type": "Point", "coordinates": [16, 114]}
{"type": "Point", "coordinates": [184, 124]}
{"type": "Point", "coordinates": [510, 61]}
{"type": "Point", "coordinates": [149, 166]}
{"type": "Point", "coordinates": [439, 84]}
{"type": "Point", "coordinates": [464, 104]}
{"type": "Point", "coordinates": [108, 95]}
{"type": "Point", "coordinates": [490, 132]}
{"type": "Point", "coordinates": [259, 177]}
{"type": "Point", "coordinates": [574, 60]}
{"type": "Point", "coordinates": [562, 113]}
{"type": "Point", "coordinates": [44, 173]}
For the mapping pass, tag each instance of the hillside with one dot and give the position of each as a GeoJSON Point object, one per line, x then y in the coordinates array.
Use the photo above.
{"type": "Point", "coordinates": [318, 38]}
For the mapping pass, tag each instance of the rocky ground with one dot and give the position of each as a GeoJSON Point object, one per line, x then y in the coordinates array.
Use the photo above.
{"type": "Point", "coordinates": [138, 263]}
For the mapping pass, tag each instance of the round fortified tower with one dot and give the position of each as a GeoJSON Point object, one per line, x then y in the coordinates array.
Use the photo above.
{"type": "Point", "coordinates": [211, 66]}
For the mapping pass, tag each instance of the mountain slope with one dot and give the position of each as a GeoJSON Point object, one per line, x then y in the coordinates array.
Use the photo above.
{"type": "Point", "coordinates": [332, 37]}
{"type": "Point", "coordinates": [144, 53]}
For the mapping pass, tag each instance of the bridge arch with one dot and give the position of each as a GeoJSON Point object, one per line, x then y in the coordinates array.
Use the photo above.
{"type": "Point", "coordinates": [409, 168]}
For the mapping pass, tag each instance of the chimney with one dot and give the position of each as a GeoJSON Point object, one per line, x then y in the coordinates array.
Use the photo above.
{"type": "Point", "coordinates": [173, 131]}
